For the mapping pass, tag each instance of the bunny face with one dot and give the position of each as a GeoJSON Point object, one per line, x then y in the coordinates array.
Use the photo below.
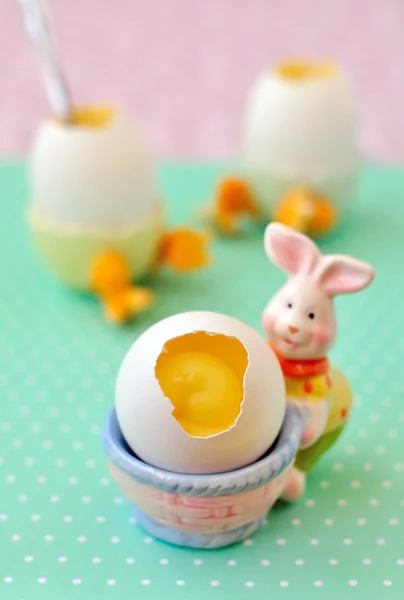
{"type": "Point", "coordinates": [299, 320]}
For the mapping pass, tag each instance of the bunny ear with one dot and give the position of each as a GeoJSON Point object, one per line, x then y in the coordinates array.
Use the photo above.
{"type": "Point", "coordinates": [340, 274]}
{"type": "Point", "coordinates": [289, 250]}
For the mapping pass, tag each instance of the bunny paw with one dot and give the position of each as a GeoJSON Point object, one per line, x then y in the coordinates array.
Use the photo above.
{"type": "Point", "coordinates": [295, 486]}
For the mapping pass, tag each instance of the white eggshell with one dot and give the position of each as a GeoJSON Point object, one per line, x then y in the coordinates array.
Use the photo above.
{"type": "Point", "coordinates": [145, 415]}
{"type": "Point", "coordinates": [301, 131]}
{"type": "Point", "coordinates": [94, 176]}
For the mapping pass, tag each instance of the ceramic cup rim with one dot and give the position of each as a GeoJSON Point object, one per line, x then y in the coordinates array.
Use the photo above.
{"type": "Point", "coordinates": [240, 480]}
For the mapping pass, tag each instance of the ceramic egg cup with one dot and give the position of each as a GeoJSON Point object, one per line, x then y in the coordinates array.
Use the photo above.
{"type": "Point", "coordinates": [203, 511]}
{"type": "Point", "coordinates": [96, 213]}
{"type": "Point", "coordinates": [299, 158]}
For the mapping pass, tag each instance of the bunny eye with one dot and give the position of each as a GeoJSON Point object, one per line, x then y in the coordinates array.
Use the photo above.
{"type": "Point", "coordinates": [312, 315]}
{"type": "Point", "coordinates": [289, 305]}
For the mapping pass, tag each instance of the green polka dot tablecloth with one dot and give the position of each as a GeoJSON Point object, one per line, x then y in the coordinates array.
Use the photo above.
{"type": "Point", "coordinates": [65, 530]}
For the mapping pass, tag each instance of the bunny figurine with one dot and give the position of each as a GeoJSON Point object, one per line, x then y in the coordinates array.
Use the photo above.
{"type": "Point", "coordinates": [300, 324]}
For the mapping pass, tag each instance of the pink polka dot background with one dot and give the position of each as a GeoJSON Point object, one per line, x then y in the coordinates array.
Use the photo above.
{"type": "Point", "coordinates": [183, 67]}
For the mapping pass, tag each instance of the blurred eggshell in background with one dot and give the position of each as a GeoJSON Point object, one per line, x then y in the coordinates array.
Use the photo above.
{"type": "Point", "coordinates": [93, 175]}
{"type": "Point", "coordinates": [300, 127]}
{"type": "Point", "coordinates": [145, 414]}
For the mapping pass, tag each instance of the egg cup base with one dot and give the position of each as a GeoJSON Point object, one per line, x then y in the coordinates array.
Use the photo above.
{"type": "Point", "coordinates": [203, 541]}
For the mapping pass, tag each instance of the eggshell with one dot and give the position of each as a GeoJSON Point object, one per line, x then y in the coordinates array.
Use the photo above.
{"type": "Point", "coordinates": [301, 131]}
{"type": "Point", "coordinates": [145, 415]}
{"type": "Point", "coordinates": [93, 176]}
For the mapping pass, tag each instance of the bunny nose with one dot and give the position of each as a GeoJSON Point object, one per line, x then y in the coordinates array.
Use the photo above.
{"type": "Point", "coordinates": [292, 329]}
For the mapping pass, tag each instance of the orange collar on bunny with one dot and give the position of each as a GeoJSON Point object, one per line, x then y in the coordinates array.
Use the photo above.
{"type": "Point", "coordinates": [301, 368]}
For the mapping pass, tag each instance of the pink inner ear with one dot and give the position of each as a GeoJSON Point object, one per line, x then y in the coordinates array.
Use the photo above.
{"type": "Point", "coordinates": [344, 275]}
{"type": "Point", "coordinates": [291, 251]}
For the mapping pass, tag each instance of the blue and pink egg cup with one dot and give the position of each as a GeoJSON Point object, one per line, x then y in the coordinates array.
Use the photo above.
{"type": "Point", "coordinates": [203, 511]}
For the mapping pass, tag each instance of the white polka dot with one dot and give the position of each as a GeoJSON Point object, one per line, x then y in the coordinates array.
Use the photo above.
{"type": "Point", "coordinates": [319, 583]}
{"type": "Point", "coordinates": [310, 503]}
{"type": "Point", "coordinates": [104, 481]}
{"type": "Point", "coordinates": [8, 580]}
{"type": "Point", "coordinates": [90, 463]}
{"type": "Point", "coordinates": [215, 583]}
{"type": "Point", "coordinates": [41, 479]}
{"type": "Point", "coordinates": [400, 562]}
{"type": "Point", "coordinates": [111, 581]}
{"type": "Point", "coordinates": [115, 540]}
{"type": "Point", "coordinates": [42, 580]}
{"type": "Point", "coordinates": [361, 522]}
{"type": "Point", "coordinates": [324, 485]}
{"type": "Point", "coordinates": [380, 449]}
{"type": "Point", "coordinates": [367, 561]}
{"type": "Point", "coordinates": [96, 560]}
{"type": "Point", "coordinates": [82, 539]}
{"type": "Point", "coordinates": [380, 541]}
{"type": "Point", "coordinates": [281, 542]}
{"type": "Point", "coordinates": [180, 582]}
{"type": "Point", "coordinates": [249, 584]}
{"type": "Point", "coordinates": [60, 462]}
{"type": "Point", "coordinates": [16, 537]}
{"type": "Point", "coordinates": [28, 559]}
{"type": "Point", "coordinates": [374, 417]}
{"type": "Point", "coordinates": [387, 484]}
{"type": "Point", "coordinates": [399, 466]}
{"type": "Point", "coordinates": [296, 521]}
{"type": "Point", "coordinates": [73, 480]}
{"type": "Point", "coordinates": [299, 562]}
{"type": "Point", "coordinates": [355, 485]}
{"type": "Point", "coordinates": [49, 538]}
{"type": "Point", "coordinates": [231, 563]}
{"type": "Point", "coordinates": [130, 561]}
{"type": "Point", "coordinates": [351, 450]}
{"type": "Point", "coordinates": [248, 542]}
{"type": "Point", "coordinates": [347, 542]}
{"type": "Point", "coordinates": [77, 445]}
{"type": "Point", "coordinates": [374, 502]}
{"type": "Point", "coordinates": [333, 562]}
{"type": "Point", "coordinates": [76, 581]}
{"type": "Point", "coordinates": [394, 521]}
{"type": "Point", "coordinates": [148, 540]}
{"type": "Point", "coordinates": [17, 444]}
{"type": "Point", "coordinates": [54, 499]}
{"type": "Point", "coordinates": [284, 584]}
{"type": "Point", "coordinates": [387, 582]}
{"type": "Point", "coordinates": [3, 517]}
{"type": "Point", "coordinates": [100, 519]}
{"type": "Point", "coordinates": [338, 467]}
{"type": "Point", "coordinates": [342, 502]}
{"type": "Point", "coordinates": [329, 521]}
{"type": "Point", "coordinates": [314, 542]}
{"type": "Point", "coordinates": [35, 518]}
{"type": "Point", "coordinates": [118, 500]}
{"type": "Point", "coordinates": [368, 466]}
{"type": "Point", "coordinates": [10, 479]}
{"type": "Point", "coordinates": [67, 518]}
{"type": "Point", "coordinates": [353, 582]}
{"type": "Point", "coordinates": [22, 498]}
{"type": "Point", "coordinates": [197, 562]}
{"type": "Point", "coordinates": [62, 559]}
